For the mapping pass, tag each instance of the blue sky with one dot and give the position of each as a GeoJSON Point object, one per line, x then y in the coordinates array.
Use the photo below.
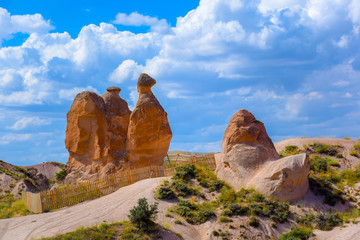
{"type": "Point", "coordinates": [295, 64]}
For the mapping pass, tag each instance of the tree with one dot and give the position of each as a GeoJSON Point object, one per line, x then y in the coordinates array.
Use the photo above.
{"type": "Point", "coordinates": [143, 215]}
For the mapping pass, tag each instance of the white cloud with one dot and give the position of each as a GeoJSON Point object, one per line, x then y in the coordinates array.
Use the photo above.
{"type": "Point", "coordinates": [10, 24]}
{"type": "Point", "coordinates": [12, 137]}
{"type": "Point", "coordinates": [28, 121]}
{"type": "Point", "coordinates": [69, 94]}
{"type": "Point", "coordinates": [354, 11]}
{"type": "Point", "coordinates": [127, 70]}
{"type": "Point", "coordinates": [137, 19]}
{"type": "Point", "coordinates": [343, 42]}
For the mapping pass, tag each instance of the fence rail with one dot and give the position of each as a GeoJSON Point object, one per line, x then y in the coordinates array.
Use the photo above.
{"type": "Point", "coordinates": [71, 194]}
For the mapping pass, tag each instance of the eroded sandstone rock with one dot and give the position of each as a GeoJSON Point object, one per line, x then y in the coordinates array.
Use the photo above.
{"type": "Point", "coordinates": [249, 159]}
{"type": "Point", "coordinates": [246, 147]}
{"type": "Point", "coordinates": [96, 132]}
{"type": "Point", "coordinates": [286, 178]}
{"type": "Point", "coordinates": [149, 132]}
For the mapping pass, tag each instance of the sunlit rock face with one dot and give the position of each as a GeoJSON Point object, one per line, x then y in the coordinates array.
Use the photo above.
{"type": "Point", "coordinates": [149, 132]}
{"type": "Point", "coordinates": [96, 132]}
{"type": "Point", "coordinates": [103, 136]}
{"type": "Point", "coordinates": [249, 159]}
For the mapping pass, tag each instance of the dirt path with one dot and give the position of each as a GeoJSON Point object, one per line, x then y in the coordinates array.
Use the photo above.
{"type": "Point", "coordinates": [111, 208]}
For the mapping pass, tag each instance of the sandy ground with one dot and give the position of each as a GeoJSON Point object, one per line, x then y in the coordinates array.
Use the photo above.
{"type": "Point", "coordinates": [351, 161]}
{"type": "Point", "coordinates": [111, 208]}
{"type": "Point", "coordinates": [351, 232]}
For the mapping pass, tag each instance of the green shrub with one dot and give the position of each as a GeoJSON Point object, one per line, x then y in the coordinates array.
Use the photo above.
{"type": "Point", "coordinates": [215, 233]}
{"type": "Point", "coordinates": [185, 172]}
{"type": "Point", "coordinates": [165, 192]}
{"type": "Point", "coordinates": [306, 220]}
{"type": "Point", "coordinates": [143, 214]}
{"type": "Point", "coordinates": [195, 213]}
{"type": "Point", "coordinates": [228, 195]}
{"type": "Point", "coordinates": [354, 153]}
{"type": "Point", "coordinates": [318, 164]}
{"type": "Point", "coordinates": [182, 188]}
{"type": "Point", "coordinates": [327, 221]}
{"type": "Point", "coordinates": [357, 146]}
{"type": "Point", "coordinates": [297, 234]}
{"type": "Point", "coordinates": [253, 222]}
{"type": "Point", "coordinates": [236, 209]}
{"type": "Point", "coordinates": [224, 219]}
{"type": "Point", "coordinates": [217, 185]}
{"type": "Point", "coordinates": [339, 155]}
{"type": "Point", "coordinates": [324, 149]}
{"type": "Point", "coordinates": [60, 175]}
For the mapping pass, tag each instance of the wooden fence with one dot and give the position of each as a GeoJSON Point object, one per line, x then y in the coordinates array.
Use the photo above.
{"type": "Point", "coordinates": [71, 194]}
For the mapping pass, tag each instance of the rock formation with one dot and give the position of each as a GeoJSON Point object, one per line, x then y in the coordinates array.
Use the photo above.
{"type": "Point", "coordinates": [286, 178]}
{"type": "Point", "coordinates": [249, 159]}
{"type": "Point", "coordinates": [103, 136]}
{"type": "Point", "coordinates": [149, 132]}
{"type": "Point", "coordinates": [96, 132]}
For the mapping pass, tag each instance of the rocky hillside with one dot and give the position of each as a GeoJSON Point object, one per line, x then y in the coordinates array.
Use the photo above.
{"type": "Point", "coordinates": [15, 179]}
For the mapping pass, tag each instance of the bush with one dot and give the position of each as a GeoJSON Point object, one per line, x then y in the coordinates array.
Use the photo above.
{"type": "Point", "coordinates": [143, 215]}
{"type": "Point", "coordinates": [224, 219]}
{"type": "Point", "coordinates": [253, 222]}
{"type": "Point", "coordinates": [306, 220]}
{"type": "Point", "coordinates": [354, 153]}
{"type": "Point", "coordinates": [194, 213]}
{"type": "Point", "coordinates": [318, 164]}
{"type": "Point", "coordinates": [324, 148]}
{"type": "Point", "coordinates": [60, 175]}
{"type": "Point", "coordinates": [327, 221]}
{"type": "Point", "coordinates": [297, 234]}
{"type": "Point", "coordinates": [185, 172]}
{"type": "Point", "coordinates": [217, 185]}
{"type": "Point", "coordinates": [165, 192]}
{"type": "Point", "coordinates": [237, 209]}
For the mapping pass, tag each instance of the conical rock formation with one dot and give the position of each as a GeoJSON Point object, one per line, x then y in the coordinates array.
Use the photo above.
{"type": "Point", "coordinates": [249, 159]}
{"type": "Point", "coordinates": [149, 132]}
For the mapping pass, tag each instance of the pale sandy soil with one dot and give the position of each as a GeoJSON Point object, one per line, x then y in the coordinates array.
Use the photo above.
{"type": "Point", "coordinates": [351, 161]}
{"type": "Point", "coordinates": [351, 232]}
{"type": "Point", "coordinates": [111, 208]}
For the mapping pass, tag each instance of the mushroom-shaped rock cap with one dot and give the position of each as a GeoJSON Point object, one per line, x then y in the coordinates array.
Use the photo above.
{"type": "Point", "coordinates": [145, 81]}
{"type": "Point", "coordinates": [113, 89]}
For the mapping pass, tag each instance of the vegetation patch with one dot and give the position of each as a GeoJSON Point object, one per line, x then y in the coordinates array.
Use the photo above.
{"type": "Point", "coordinates": [143, 215]}
{"type": "Point", "coordinates": [327, 149]}
{"type": "Point", "coordinates": [12, 207]}
{"type": "Point", "coordinates": [326, 179]}
{"type": "Point", "coordinates": [297, 234]}
{"type": "Point", "coordinates": [121, 230]}
{"type": "Point", "coordinates": [60, 175]}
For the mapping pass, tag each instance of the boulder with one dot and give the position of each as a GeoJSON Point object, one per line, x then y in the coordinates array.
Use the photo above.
{"type": "Point", "coordinates": [246, 147]}
{"type": "Point", "coordinates": [249, 159]}
{"type": "Point", "coordinates": [149, 132]}
{"type": "Point", "coordinates": [285, 179]}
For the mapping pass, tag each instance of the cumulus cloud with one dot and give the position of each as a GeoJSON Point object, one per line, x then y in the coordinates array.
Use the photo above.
{"type": "Point", "coordinates": [127, 70]}
{"type": "Point", "coordinates": [11, 24]}
{"type": "Point", "coordinates": [69, 94]}
{"type": "Point", "coordinates": [137, 19]}
{"type": "Point", "coordinates": [29, 121]}
{"type": "Point", "coordinates": [288, 61]}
